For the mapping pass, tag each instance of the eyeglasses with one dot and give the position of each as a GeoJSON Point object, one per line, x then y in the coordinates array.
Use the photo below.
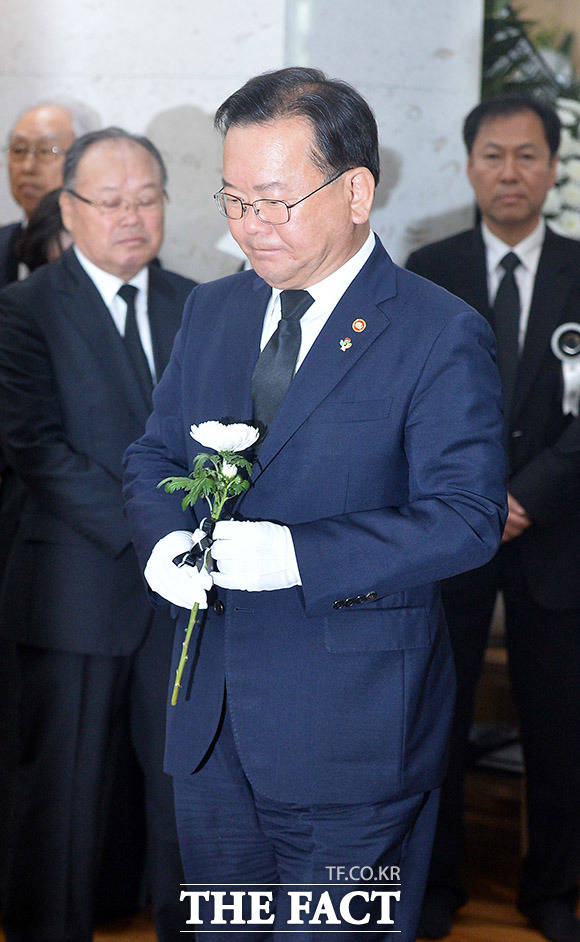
{"type": "Point", "coordinates": [273, 212]}
{"type": "Point", "coordinates": [117, 205]}
{"type": "Point", "coordinates": [19, 151]}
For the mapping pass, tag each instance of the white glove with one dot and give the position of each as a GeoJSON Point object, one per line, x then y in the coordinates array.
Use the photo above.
{"type": "Point", "coordinates": [254, 556]}
{"type": "Point", "coordinates": [181, 586]}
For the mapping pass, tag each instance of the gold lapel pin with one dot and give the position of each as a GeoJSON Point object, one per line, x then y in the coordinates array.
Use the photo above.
{"type": "Point", "coordinates": [359, 324]}
{"type": "Point", "coordinates": [345, 344]}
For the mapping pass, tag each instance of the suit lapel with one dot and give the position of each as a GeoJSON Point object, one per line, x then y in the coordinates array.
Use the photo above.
{"type": "Point", "coordinates": [164, 318]}
{"type": "Point", "coordinates": [327, 363]}
{"type": "Point", "coordinates": [238, 358]}
{"type": "Point", "coordinates": [471, 276]}
{"type": "Point", "coordinates": [84, 306]}
{"type": "Point", "coordinates": [551, 287]}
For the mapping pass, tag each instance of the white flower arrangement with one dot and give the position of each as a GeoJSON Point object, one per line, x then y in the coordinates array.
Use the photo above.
{"type": "Point", "coordinates": [216, 478]}
{"type": "Point", "coordinates": [562, 205]}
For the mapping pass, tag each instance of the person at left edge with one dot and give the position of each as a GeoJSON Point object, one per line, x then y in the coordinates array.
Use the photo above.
{"type": "Point", "coordinates": [380, 473]}
{"type": "Point", "coordinates": [79, 355]}
{"type": "Point", "coordinates": [37, 144]}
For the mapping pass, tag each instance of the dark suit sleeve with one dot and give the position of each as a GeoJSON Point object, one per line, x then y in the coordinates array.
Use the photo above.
{"type": "Point", "coordinates": [63, 484]}
{"type": "Point", "coordinates": [418, 264]}
{"type": "Point", "coordinates": [548, 486]}
{"type": "Point", "coordinates": [456, 509]}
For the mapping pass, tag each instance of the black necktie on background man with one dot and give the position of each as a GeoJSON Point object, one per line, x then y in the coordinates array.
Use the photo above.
{"type": "Point", "coordinates": [133, 344]}
{"type": "Point", "coordinates": [506, 314]}
{"type": "Point", "coordinates": [277, 361]}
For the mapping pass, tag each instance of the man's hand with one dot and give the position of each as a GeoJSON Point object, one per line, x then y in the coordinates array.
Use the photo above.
{"type": "Point", "coordinates": [254, 556]}
{"type": "Point", "coordinates": [517, 520]}
{"type": "Point", "coordinates": [181, 586]}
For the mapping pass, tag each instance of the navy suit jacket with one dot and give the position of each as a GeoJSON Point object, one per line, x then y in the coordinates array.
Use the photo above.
{"type": "Point", "coordinates": [544, 443]}
{"type": "Point", "coordinates": [70, 406]}
{"type": "Point", "coordinates": [386, 462]}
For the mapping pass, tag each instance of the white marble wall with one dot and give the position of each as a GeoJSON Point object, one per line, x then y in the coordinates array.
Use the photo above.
{"type": "Point", "coordinates": [162, 69]}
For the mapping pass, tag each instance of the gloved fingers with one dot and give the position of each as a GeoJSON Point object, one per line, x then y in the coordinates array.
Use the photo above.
{"type": "Point", "coordinates": [223, 550]}
{"type": "Point", "coordinates": [183, 587]}
{"type": "Point", "coordinates": [245, 581]}
{"type": "Point", "coordinates": [228, 529]}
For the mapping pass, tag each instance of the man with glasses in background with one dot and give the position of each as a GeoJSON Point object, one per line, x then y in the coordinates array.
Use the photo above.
{"type": "Point", "coordinates": [35, 153]}
{"type": "Point", "coordinates": [316, 709]}
{"type": "Point", "coordinates": [82, 344]}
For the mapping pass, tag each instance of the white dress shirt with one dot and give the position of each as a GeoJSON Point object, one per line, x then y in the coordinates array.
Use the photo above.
{"type": "Point", "coordinates": [108, 285]}
{"type": "Point", "coordinates": [326, 293]}
{"type": "Point", "coordinates": [528, 251]}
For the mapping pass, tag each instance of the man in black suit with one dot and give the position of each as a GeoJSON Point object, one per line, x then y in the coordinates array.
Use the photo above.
{"type": "Point", "coordinates": [82, 342]}
{"type": "Point", "coordinates": [35, 154]}
{"type": "Point", "coordinates": [526, 280]}
{"type": "Point", "coordinates": [36, 147]}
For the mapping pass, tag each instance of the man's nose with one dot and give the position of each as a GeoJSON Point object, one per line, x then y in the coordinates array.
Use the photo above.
{"type": "Point", "coordinates": [30, 159]}
{"type": "Point", "coordinates": [251, 221]}
{"type": "Point", "coordinates": [129, 213]}
{"type": "Point", "coordinates": [509, 168]}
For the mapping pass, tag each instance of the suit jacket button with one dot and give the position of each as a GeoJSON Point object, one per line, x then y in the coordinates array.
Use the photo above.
{"type": "Point", "coordinates": [360, 599]}
{"type": "Point", "coordinates": [349, 602]}
{"type": "Point", "coordinates": [219, 607]}
{"type": "Point", "coordinates": [371, 596]}
{"type": "Point", "coordinates": [338, 604]}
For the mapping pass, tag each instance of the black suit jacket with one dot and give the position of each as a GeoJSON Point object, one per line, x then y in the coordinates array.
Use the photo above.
{"type": "Point", "coordinates": [544, 443]}
{"type": "Point", "coordinates": [10, 491]}
{"type": "Point", "coordinates": [8, 261]}
{"type": "Point", "coordinates": [70, 405]}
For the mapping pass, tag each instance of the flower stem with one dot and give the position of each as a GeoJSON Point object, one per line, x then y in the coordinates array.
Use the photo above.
{"type": "Point", "coordinates": [184, 650]}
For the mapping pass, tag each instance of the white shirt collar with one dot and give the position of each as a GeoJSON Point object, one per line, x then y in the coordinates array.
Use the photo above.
{"type": "Point", "coordinates": [527, 250]}
{"type": "Point", "coordinates": [329, 291]}
{"type": "Point", "coordinates": [108, 284]}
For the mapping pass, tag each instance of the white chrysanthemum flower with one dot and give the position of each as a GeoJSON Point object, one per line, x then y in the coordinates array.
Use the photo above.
{"type": "Point", "coordinates": [561, 172]}
{"type": "Point", "coordinates": [229, 470]}
{"type": "Point", "coordinates": [553, 203]}
{"type": "Point", "coordinates": [567, 224]}
{"type": "Point", "coordinates": [569, 145]}
{"type": "Point", "coordinates": [570, 195]}
{"type": "Point", "coordinates": [236, 437]}
{"type": "Point", "coordinates": [573, 169]}
{"type": "Point", "coordinates": [566, 117]}
{"type": "Point", "coordinates": [570, 104]}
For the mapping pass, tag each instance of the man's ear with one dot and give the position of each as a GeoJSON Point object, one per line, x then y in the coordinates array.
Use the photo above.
{"type": "Point", "coordinates": [362, 192]}
{"type": "Point", "coordinates": [65, 204]}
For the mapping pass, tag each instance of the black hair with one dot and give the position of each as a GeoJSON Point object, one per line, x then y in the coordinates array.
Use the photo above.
{"type": "Point", "coordinates": [44, 228]}
{"type": "Point", "coordinates": [82, 144]}
{"type": "Point", "coordinates": [345, 130]}
{"type": "Point", "coordinates": [506, 105]}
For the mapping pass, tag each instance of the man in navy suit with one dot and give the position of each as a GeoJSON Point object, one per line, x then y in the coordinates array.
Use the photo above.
{"type": "Point", "coordinates": [512, 145]}
{"type": "Point", "coordinates": [316, 705]}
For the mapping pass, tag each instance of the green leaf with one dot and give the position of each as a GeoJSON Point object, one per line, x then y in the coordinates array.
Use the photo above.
{"type": "Point", "coordinates": [175, 484]}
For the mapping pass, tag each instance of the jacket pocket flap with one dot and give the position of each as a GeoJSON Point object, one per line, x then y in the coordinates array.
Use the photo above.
{"type": "Point", "coordinates": [392, 629]}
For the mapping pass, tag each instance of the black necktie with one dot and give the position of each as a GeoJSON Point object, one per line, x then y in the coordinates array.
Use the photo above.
{"type": "Point", "coordinates": [506, 315]}
{"type": "Point", "coordinates": [275, 367]}
{"type": "Point", "coordinates": [133, 343]}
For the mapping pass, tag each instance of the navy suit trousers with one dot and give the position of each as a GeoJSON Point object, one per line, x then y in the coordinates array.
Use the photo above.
{"type": "Point", "coordinates": [233, 839]}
